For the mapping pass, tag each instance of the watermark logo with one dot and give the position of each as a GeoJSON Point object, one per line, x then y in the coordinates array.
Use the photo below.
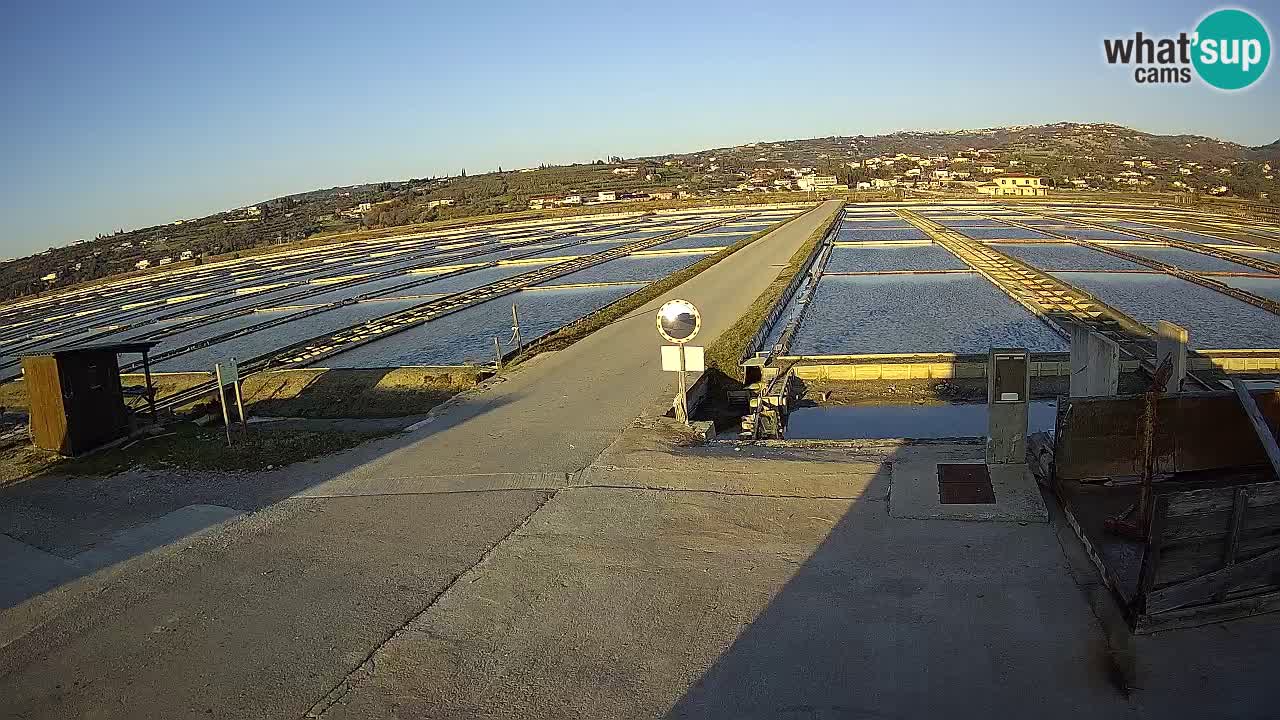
{"type": "Point", "coordinates": [1229, 50]}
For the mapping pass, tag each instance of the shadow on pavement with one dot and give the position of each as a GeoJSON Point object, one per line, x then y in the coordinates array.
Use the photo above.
{"type": "Point", "coordinates": [893, 618]}
{"type": "Point", "coordinates": [59, 528]}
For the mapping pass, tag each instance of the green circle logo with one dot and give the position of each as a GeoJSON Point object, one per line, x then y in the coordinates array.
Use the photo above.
{"type": "Point", "coordinates": [1231, 49]}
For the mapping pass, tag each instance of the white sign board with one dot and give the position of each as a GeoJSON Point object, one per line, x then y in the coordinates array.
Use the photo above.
{"type": "Point", "coordinates": [227, 372]}
{"type": "Point", "coordinates": [227, 375]}
{"type": "Point", "coordinates": [693, 358]}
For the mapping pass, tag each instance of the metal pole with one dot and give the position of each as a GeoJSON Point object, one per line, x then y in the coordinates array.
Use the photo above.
{"type": "Point", "coordinates": [222, 400]}
{"type": "Point", "coordinates": [515, 326]}
{"type": "Point", "coordinates": [682, 408]}
{"type": "Point", "coordinates": [497, 352]}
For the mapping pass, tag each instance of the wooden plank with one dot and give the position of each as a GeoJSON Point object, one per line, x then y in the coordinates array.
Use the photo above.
{"type": "Point", "coordinates": [47, 406]}
{"type": "Point", "coordinates": [1237, 523]}
{"type": "Point", "coordinates": [1210, 500]}
{"type": "Point", "coordinates": [1197, 432]}
{"type": "Point", "coordinates": [1151, 554]}
{"type": "Point", "coordinates": [1206, 586]}
{"type": "Point", "coordinates": [1190, 560]}
{"type": "Point", "coordinates": [1218, 525]}
{"type": "Point", "coordinates": [1233, 534]}
{"type": "Point", "coordinates": [1260, 426]}
{"type": "Point", "coordinates": [1205, 614]}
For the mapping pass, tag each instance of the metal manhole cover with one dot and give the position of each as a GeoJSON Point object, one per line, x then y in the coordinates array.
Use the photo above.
{"type": "Point", "coordinates": [968, 484]}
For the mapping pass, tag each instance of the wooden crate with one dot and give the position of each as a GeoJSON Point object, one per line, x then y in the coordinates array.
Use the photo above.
{"type": "Point", "coordinates": [1211, 549]}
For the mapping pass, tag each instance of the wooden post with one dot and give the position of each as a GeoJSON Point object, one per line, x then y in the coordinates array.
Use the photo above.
{"type": "Point", "coordinates": [222, 400]}
{"type": "Point", "coordinates": [1151, 552]}
{"type": "Point", "coordinates": [151, 390]}
{"type": "Point", "coordinates": [682, 407]}
{"type": "Point", "coordinates": [1260, 427]}
{"type": "Point", "coordinates": [497, 352]}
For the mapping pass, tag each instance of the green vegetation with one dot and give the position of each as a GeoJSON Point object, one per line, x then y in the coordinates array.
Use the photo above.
{"type": "Point", "coordinates": [191, 447]}
{"type": "Point", "coordinates": [725, 354]}
{"type": "Point", "coordinates": [623, 307]}
{"type": "Point", "coordinates": [346, 393]}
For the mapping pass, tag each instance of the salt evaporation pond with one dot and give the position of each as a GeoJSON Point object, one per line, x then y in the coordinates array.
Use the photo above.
{"type": "Point", "coordinates": [882, 259]}
{"type": "Point", "coordinates": [1064, 256]}
{"type": "Point", "coordinates": [467, 336]}
{"type": "Point", "coordinates": [952, 313]}
{"type": "Point", "coordinates": [1214, 320]}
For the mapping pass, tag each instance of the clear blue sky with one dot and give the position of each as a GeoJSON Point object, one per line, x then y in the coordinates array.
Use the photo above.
{"type": "Point", "coordinates": [121, 115]}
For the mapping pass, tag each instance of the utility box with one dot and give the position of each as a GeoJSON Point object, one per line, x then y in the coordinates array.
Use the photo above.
{"type": "Point", "coordinates": [76, 397]}
{"type": "Point", "coordinates": [1008, 392]}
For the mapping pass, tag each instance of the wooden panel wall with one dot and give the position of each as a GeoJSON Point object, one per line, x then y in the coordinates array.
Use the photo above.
{"type": "Point", "coordinates": [44, 391]}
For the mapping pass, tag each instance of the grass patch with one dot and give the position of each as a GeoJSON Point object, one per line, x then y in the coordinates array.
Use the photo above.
{"type": "Point", "coordinates": [573, 332]}
{"type": "Point", "coordinates": [191, 447]}
{"type": "Point", "coordinates": [19, 458]}
{"type": "Point", "coordinates": [724, 356]}
{"type": "Point", "coordinates": [344, 393]}
{"type": "Point", "coordinates": [311, 392]}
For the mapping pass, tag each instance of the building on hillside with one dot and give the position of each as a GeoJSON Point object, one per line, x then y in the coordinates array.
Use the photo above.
{"type": "Point", "coordinates": [142, 264]}
{"type": "Point", "coordinates": [1017, 185]}
{"type": "Point", "coordinates": [540, 203]}
{"type": "Point", "coordinates": [818, 183]}
{"type": "Point", "coordinates": [606, 196]}
{"type": "Point", "coordinates": [433, 204]}
{"type": "Point", "coordinates": [572, 200]}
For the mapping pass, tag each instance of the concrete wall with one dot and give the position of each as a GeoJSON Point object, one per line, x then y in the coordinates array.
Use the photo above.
{"type": "Point", "coordinates": [939, 369]}
{"type": "Point", "coordinates": [1095, 363]}
{"type": "Point", "coordinates": [945, 367]}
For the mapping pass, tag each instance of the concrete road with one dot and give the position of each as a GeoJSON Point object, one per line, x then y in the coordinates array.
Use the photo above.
{"type": "Point", "coordinates": [268, 614]}
{"type": "Point", "coordinates": [727, 606]}
{"type": "Point", "coordinates": [259, 618]}
{"type": "Point", "coordinates": [554, 417]}
{"type": "Point", "coordinates": [774, 583]}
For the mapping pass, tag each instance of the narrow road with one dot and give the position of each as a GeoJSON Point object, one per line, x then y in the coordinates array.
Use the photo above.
{"type": "Point", "coordinates": [269, 614]}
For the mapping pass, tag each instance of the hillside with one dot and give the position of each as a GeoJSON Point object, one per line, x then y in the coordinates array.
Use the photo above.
{"type": "Point", "coordinates": [1084, 156]}
{"type": "Point", "coordinates": [1096, 156]}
